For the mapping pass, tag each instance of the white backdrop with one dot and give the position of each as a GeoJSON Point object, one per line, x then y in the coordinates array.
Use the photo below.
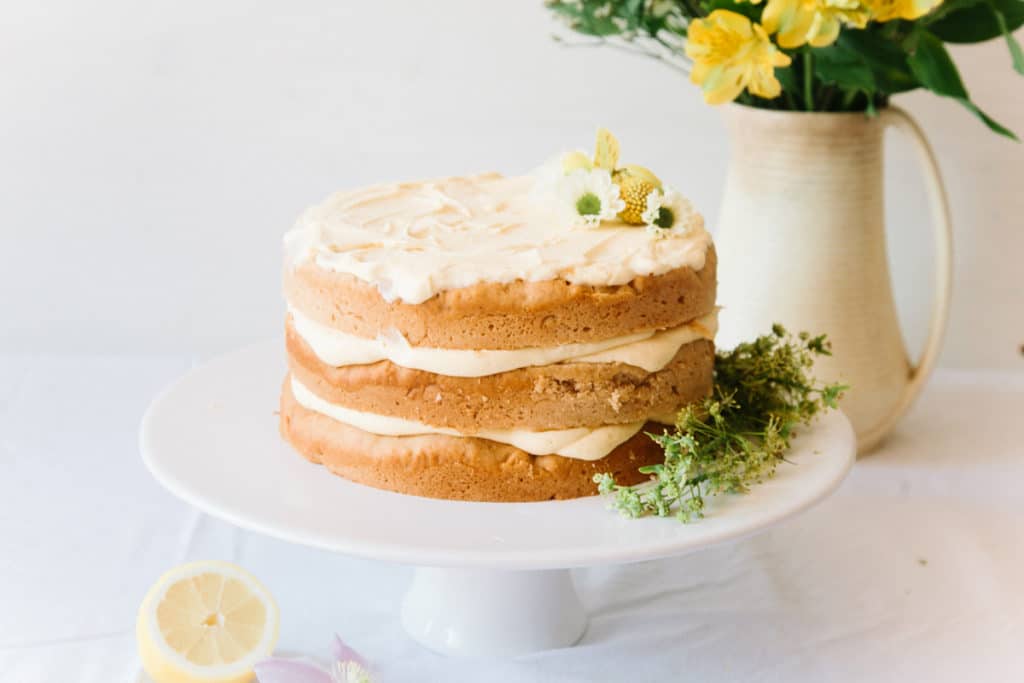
{"type": "Point", "coordinates": [151, 155]}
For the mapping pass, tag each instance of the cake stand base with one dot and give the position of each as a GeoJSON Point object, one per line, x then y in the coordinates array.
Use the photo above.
{"type": "Point", "coordinates": [479, 612]}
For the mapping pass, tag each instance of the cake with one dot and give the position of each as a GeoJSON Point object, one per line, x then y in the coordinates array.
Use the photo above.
{"type": "Point", "coordinates": [459, 338]}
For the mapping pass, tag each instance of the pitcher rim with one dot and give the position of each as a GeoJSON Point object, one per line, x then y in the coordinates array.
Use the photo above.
{"type": "Point", "coordinates": [781, 113]}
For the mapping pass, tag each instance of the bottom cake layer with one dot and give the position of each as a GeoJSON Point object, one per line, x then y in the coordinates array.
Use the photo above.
{"type": "Point", "coordinates": [452, 467]}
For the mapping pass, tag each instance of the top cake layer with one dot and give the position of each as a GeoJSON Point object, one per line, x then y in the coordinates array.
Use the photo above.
{"type": "Point", "coordinates": [411, 241]}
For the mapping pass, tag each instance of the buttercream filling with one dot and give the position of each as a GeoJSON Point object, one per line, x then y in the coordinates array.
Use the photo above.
{"type": "Point", "coordinates": [413, 240]}
{"type": "Point", "coordinates": [581, 443]}
{"type": "Point", "coordinates": [651, 350]}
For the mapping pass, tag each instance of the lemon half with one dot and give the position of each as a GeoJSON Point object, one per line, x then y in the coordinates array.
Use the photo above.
{"type": "Point", "coordinates": [206, 622]}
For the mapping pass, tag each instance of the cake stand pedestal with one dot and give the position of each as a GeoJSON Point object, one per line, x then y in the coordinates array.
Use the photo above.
{"type": "Point", "coordinates": [493, 578]}
{"type": "Point", "coordinates": [493, 612]}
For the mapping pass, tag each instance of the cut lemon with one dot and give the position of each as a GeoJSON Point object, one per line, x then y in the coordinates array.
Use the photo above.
{"type": "Point", "coordinates": [206, 622]}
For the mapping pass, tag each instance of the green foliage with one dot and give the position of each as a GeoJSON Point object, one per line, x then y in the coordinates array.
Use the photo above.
{"type": "Point", "coordinates": [623, 18]}
{"type": "Point", "coordinates": [842, 66]}
{"type": "Point", "coordinates": [734, 439]}
{"type": "Point", "coordinates": [586, 18]}
{"type": "Point", "coordinates": [934, 68]}
{"type": "Point", "coordinates": [747, 9]}
{"type": "Point", "coordinates": [1016, 53]}
{"type": "Point", "coordinates": [858, 72]}
{"type": "Point", "coordinates": [931, 62]}
{"type": "Point", "coordinates": [881, 50]}
{"type": "Point", "coordinates": [975, 21]}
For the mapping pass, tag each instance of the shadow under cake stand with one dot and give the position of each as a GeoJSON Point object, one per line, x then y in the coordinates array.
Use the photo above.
{"type": "Point", "coordinates": [491, 578]}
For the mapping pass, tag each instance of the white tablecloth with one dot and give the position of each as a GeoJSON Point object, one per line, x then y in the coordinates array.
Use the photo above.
{"type": "Point", "coordinates": [914, 570]}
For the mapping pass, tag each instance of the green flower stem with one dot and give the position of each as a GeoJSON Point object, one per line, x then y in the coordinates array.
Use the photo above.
{"type": "Point", "coordinates": [790, 103]}
{"type": "Point", "coordinates": [693, 7]}
{"type": "Point", "coordinates": [808, 64]}
{"type": "Point", "coordinates": [828, 94]}
{"type": "Point", "coordinates": [848, 99]}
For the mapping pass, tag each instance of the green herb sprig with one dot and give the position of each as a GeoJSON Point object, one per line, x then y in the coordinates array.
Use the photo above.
{"type": "Point", "coordinates": [735, 438]}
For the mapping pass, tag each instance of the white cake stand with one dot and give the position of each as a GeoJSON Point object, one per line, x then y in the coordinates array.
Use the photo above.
{"type": "Point", "coordinates": [492, 578]}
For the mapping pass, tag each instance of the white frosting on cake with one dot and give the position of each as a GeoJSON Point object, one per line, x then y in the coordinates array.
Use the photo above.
{"type": "Point", "coordinates": [651, 350]}
{"type": "Point", "coordinates": [413, 240]}
{"type": "Point", "coordinates": [581, 443]}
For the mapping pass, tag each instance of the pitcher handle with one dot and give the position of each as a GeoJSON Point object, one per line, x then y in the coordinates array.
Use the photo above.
{"type": "Point", "coordinates": [939, 204]}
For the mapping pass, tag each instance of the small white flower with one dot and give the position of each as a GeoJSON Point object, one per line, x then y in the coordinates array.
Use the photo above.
{"type": "Point", "coordinates": [548, 177]}
{"type": "Point", "coordinates": [349, 672]}
{"type": "Point", "coordinates": [590, 196]}
{"type": "Point", "coordinates": [667, 213]}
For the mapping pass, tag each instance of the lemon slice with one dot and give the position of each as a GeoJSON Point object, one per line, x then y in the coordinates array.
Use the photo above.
{"type": "Point", "coordinates": [205, 622]}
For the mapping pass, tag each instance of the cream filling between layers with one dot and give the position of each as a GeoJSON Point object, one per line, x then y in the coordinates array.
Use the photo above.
{"type": "Point", "coordinates": [651, 350]}
{"type": "Point", "coordinates": [581, 443]}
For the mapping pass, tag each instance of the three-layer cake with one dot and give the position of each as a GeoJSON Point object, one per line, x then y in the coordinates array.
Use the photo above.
{"type": "Point", "coordinates": [459, 339]}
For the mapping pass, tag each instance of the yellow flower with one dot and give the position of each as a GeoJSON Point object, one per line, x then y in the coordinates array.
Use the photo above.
{"type": "Point", "coordinates": [887, 10]}
{"type": "Point", "coordinates": [730, 53]}
{"type": "Point", "coordinates": [635, 183]}
{"type": "Point", "coordinates": [810, 21]}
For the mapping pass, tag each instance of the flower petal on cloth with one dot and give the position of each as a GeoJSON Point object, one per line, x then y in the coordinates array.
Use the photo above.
{"type": "Point", "coordinates": [278, 670]}
{"type": "Point", "coordinates": [340, 652]}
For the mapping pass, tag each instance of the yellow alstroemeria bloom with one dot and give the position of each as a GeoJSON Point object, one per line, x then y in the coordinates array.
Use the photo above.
{"type": "Point", "coordinates": [811, 21]}
{"type": "Point", "coordinates": [887, 10]}
{"type": "Point", "coordinates": [730, 53]}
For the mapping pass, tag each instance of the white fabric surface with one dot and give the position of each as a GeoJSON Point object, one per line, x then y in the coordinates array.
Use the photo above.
{"type": "Point", "coordinates": [914, 570]}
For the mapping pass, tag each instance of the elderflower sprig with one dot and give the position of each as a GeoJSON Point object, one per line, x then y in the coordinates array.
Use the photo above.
{"type": "Point", "coordinates": [735, 438]}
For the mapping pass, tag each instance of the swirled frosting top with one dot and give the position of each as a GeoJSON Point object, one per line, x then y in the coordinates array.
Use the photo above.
{"type": "Point", "coordinates": [413, 240]}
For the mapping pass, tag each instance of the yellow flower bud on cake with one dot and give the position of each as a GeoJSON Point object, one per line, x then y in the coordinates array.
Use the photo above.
{"type": "Point", "coordinates": [606, 151]}
{"type": "Point", "coordinates": [641, 172]}
{"type": "Point", "coordinates": [635, 184]}
{"type": "Point", "coordinates": [575, 161]}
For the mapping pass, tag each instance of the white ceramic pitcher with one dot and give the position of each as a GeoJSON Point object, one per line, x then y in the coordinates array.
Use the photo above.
{"type": "Point", "coordinates": [801, 241]}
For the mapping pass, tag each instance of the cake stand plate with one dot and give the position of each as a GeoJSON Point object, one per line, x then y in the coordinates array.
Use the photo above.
{"type": "Point", "coordinates": [492, 578]}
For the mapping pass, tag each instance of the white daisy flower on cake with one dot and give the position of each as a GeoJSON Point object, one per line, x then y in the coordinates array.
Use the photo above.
{"type": "Point", "coordinates": [548, 177]}
{"type": "Point", "coordinates": [590, 196]}
{"type": "Point", "coordinates": [667, 213]}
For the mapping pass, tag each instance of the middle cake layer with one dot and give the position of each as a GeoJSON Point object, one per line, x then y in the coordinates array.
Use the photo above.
{"type": "Point", "coordinates": [559, 396]}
